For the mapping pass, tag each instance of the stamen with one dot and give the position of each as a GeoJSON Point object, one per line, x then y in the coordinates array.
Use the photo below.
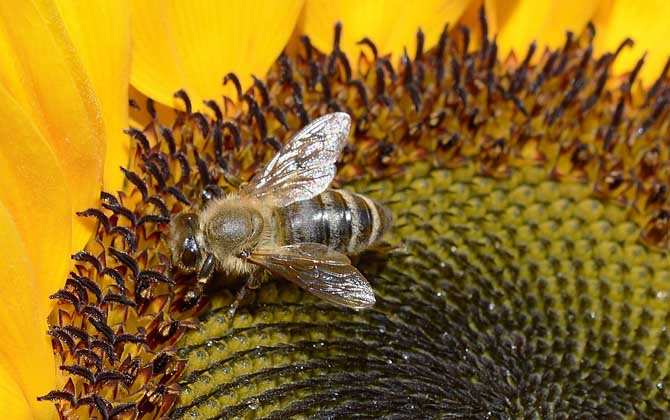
{"type": "Point", "coordinates": [181, 94]}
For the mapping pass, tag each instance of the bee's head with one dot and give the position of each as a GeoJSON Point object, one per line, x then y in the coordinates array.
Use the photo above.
{"type": "Point", "coordinates": [184, 244]}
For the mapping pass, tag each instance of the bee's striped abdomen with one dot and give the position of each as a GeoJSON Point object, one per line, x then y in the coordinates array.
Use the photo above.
{"type": "Point", "coordinates": [343, 221]}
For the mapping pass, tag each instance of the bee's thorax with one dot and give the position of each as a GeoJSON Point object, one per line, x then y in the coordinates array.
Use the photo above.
{"type": "Point", "coordinates": [232, 225]}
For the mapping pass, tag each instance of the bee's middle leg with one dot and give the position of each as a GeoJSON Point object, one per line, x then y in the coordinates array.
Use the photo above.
{"type": "Point", "coordinates": [252, 283]}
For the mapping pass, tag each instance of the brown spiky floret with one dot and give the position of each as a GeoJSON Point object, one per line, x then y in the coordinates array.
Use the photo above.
{"type": "Point", "coordinates": [468, 322]}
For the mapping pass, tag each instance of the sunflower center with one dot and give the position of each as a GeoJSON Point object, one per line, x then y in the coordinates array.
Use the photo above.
{"type": "Point", "coordinates": [507, 297]}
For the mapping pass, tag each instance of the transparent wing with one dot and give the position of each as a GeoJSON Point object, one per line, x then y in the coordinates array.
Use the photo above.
{"type": "Point", "coordinates": [319, 270]}
{"type": "Point", "coordinates": [305, 166]}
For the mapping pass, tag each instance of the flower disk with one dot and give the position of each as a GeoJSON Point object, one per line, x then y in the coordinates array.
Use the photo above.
{"type": "Point", "coordinates": [527, 273]}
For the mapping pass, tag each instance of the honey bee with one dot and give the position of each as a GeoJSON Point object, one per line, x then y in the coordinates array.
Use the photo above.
{"type": "Point", "coordinates": [285, 220]}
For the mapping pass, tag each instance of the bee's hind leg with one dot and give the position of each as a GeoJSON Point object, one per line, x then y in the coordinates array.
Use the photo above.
{"type": "Point", "coordinates": [204, 274]}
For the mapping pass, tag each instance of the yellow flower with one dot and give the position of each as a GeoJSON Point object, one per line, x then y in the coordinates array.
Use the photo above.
{"type": "Point", "coordinates": [65, 70]}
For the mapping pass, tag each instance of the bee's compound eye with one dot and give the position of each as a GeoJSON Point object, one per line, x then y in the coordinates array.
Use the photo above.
{"type": "Point", "coordinates": [189, 256]}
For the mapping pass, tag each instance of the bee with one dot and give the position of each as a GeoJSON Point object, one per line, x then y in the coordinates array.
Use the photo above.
{"type": "Point", "coordinates": [286, 221]}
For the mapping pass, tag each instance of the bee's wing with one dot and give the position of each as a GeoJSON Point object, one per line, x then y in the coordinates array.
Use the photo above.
{"type": "Point", "coordinates": [305, 166]}
{"type": "Point", "coordinates": [319, 270]}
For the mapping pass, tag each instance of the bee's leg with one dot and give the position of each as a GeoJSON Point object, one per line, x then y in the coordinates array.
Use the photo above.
{"type": "Point", "coordinates": [241, 294]}
{"type": "Point", "coordinates": [231, 179]}
{"type": "Point", "coordinates": [204, 274]}
{"type": "Point", "coordinates": [252, 283]}
{"type": "Point", "coordinates": [211, 192]}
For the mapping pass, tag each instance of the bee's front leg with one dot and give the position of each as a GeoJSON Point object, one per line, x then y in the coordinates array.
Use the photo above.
{"type": "Point", "coordinates": [204, 274]}
{"type": "Point", "coordinates": [210, 193]}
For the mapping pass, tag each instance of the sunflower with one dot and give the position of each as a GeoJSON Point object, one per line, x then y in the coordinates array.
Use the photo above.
{"type": "Point", "coordinates": [527, 170]}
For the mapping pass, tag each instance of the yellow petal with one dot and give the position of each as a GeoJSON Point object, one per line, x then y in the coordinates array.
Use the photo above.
{"type": "Point", "coordinates": [193, 45]}
{"type": "Point", "coordinates": [35, 226]}
{"type": "Point", "coordinates": [100, 31]}
{"type": "Point", "coordinates": [646, 23]}
{"type": "Point", "coordinates": [496, 17]}
{"type": "Point", "coordinates": [12, 401]}
{"type": "Point", "coordinates": [140, 118]}
{"type": "Point", "coordinates": [521, 22]}
{"type": "Point", "coordinates": [40, 70]}
{"type": "Point", "coordinates": [26, 364]}
{"type": "Point", "coordinates": [391, 25]}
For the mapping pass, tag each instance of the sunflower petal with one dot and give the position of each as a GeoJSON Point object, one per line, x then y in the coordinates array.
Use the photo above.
{"type": "Point", "coordinates": [193, 45]}
{"type": "Point", "coordinates": [40, 70]}
{"type": "Point", "coordinates": [35, 232]}
{"type": "Point", "coordinates": [100, 30]}
{"type": "Point", "coordinates": [26, 364]}
{"type": "Point", "coordinates": [140, 117]}
{"type": "Point", "coordinates": [521, 22]}
{"type": "Point", "coordinates": [646, 23]}
{"type": "Point", "coordinates": [12, 400]}
{"type": "Point", "coordinates": [391, 25]}
{"type": "Point", "coordinates": [496, 16]}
